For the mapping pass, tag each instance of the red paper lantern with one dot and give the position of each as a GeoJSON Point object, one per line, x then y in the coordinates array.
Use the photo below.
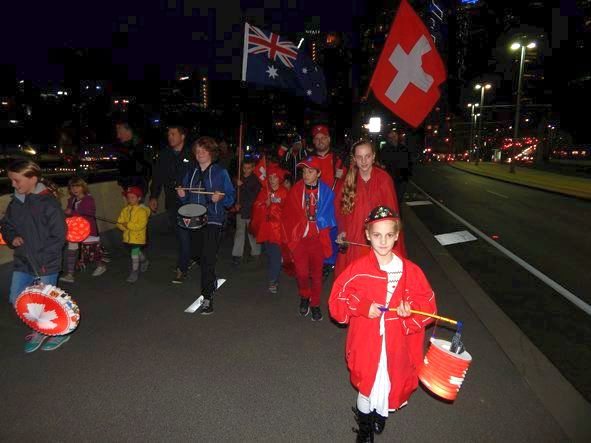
{"type": "Point", "coordinates": [48, 310]}
{"type": "Point", "coordinates": [78, 229]}
{"type": "Point", "coordinates": [443, 372]}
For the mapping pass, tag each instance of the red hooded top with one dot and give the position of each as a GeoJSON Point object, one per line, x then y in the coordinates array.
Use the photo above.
{"type": "Point", "coordinates": [353, 292]}
{"type": "Point", "coordinates": [378, 190]}
{"type": "Point", "coordinates": [265, 222]}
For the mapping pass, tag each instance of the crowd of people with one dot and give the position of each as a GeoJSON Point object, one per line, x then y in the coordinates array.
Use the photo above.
{"type": "Point", "coordinates": [309, 211]}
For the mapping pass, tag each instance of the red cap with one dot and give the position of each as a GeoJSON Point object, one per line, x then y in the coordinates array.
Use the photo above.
{"type": "Point", "coordinates": [310, 162]}
{"type": "Point", "coordinates": [135, 190]}
{"type": "Point", "coordinates": [320, 129]}
{"type": "Point", "coordinates": [276, 170]}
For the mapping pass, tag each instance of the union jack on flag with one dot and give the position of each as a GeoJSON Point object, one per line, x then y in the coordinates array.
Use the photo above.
{"type": "Point", "coordinates": [269, 60]}
{"type": "Point", "coordinates": [275, 48]}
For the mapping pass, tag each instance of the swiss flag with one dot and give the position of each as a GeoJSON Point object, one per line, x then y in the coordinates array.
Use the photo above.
{"type": "Point", "coordinates": [408, 74]}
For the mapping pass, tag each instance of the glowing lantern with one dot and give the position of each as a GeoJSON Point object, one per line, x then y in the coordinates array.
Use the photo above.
{"type": "Point", "coordinates": [78, 229]}
{"type": "Point", "coordinates": [443, 372]}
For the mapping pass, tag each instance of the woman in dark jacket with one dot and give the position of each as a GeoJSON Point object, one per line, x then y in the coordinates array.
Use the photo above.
{"type": "Point", "coordinates": [34, 226]}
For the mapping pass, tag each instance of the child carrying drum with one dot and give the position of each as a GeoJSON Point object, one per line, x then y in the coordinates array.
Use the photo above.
{"type": "Point", "coordinates": [81, 203]}
{"type": "Point", "coordinates": [133, 221]}
{"type": "Point", "coordinates": [383, 350]}
{"type": "Point", "coordinates": [34, 226]}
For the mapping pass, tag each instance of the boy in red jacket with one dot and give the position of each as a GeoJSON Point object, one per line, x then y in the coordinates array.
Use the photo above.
{"type": "Point", "coordinates": [308, 216]}
{"type": "Point", "coordinates": [384, 349]}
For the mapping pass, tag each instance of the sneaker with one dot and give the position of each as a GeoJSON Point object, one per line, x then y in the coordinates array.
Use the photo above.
{"type": "Point", "coordinates": [33, 341]}
{"type": "Point", "coordinates": [316, 313]}
{"type": "Point", "coordinates": [100, 270]}
{"type": "Point", "coordinates": [273, 287]}
{"type": "Point", "coordinates": [106, 260]}
{"type": "Point", "coordinates": [68, 278]}
{"type": "Point", "coordinates": [55, 342]}
{"type": "Point", "coordinates": [193, 263]}
{"type": "Point", "coordinates": [207, 307]}
{"type": "Point", "coordinates": [144, 265]}
{"type": "Point", "coordinates": [133, 276]}
{"type": "Point", "coordinates": [180, 277]}
{"type": "Point", "coordinates": [236, 261]}
{"type": "Point", "coordinates": [304, 306]}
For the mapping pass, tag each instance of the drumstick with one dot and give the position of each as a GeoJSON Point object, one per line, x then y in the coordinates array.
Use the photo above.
{"type": "Point", "coordinates": [426, 314]}
{"type": "Point", "coordinates": [351, 243]}
{"type": "Point", "coordinates": [200, 191]}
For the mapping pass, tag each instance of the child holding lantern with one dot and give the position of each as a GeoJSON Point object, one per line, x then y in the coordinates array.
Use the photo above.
{"type": "Point", "coordinates": [384, 349]}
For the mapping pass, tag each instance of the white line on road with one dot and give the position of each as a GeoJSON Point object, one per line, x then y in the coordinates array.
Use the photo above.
{"type": "Point", "coordinates": [419, 203]}
{"type": "Point", "coordinates": [496, 193]}
{"type": "Point", "coordinates": [543, 277]}
{"type": "Point", "coordinates": [199, 301]}
{"type": "Point", "coordinates": [452, 238]}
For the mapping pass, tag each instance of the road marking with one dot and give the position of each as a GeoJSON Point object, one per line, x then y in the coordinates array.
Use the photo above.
{"type": "Point", "coordinates": [543, 277]}
{"type": "Point", "coordinates": [452, 238]}
{"type": "Point", "coordinates": [195, 305]}
{"type": "Point", "coordinates": [419, 203]}
{"type": "Point", "coordinates": [496, 193]}
{"type": "Point", "coordinates": [199, 301]}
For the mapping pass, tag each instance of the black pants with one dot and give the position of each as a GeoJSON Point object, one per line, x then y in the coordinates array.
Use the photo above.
{"type": "Point", "coordinates": [204, 243]}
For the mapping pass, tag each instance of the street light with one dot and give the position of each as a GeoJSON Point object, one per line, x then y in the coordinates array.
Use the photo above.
{"type": "Point", "coordinates": [514, 47]}
{"type": "Point", "coordinates": [471, 106]}
{"type": "Point", "coordinates": [482, 88]}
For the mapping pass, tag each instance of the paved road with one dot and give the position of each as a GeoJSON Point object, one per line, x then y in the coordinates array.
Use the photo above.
{"type": "Point", "coordinates": [140, 369]}
{"type": "Point", "coordinates": [549, 231]}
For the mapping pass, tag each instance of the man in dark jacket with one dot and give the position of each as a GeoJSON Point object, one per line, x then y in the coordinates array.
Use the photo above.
{"type": "Point", "coordinates": [169, 170]}
{"type": "Point", "coordinates": [134, 168]}
{"type": "Point", "coordinates": [396, 159]}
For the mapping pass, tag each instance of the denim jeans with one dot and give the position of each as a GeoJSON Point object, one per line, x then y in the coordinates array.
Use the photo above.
{"type": "Point", "coordinates": [20, 280]}
{"type": "Point", "coordinates": [273, 252]}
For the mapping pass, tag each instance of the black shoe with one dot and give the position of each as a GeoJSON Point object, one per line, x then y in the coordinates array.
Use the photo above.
{"type": "Point", "coordinates": [207, 307]}
{"type": "Point", "coordinates": [365, 432]}
{"type": "Point", "coordinates": [304, 306]}
{"type": "Point", "coordinates": [193, 263]}
{"type": "Point", "coordinates": [379, 423]}
{"type": "Point", "coordinates": [316, 313]}
{"type": "Point", "coordinates": [180, 277]}
{"type": "Point", "coordinates": [236, 261]}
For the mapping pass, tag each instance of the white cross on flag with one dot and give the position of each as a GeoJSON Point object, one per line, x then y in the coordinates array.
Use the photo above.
{"type": "Point", "coordinates": [408, 74]}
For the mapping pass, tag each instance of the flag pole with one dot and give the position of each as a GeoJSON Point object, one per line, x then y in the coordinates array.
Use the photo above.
{"type": "Point", "coordinates": [240, 152]}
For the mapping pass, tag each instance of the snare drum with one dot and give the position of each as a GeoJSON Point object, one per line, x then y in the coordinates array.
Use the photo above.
{"type": "Point", "coordinates": [192, 216]}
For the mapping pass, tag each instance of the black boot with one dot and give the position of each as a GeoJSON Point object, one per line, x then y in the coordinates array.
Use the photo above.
{"type": "Point", "coordinates": [379, 422]}
{"type": "Point", "coordinates": [365, 423]}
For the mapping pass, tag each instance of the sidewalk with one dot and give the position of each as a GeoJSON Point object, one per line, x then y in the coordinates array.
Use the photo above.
{"type": "Point", "coordinates": [139, 368]}
{"type": "Point", "coordinates": [548, 181]}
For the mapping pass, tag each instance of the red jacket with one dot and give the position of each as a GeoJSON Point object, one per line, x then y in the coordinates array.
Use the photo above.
{"type": "Point", "coordinates": [353, 292]}
{"type": "Point", "coordinates": [265, 222]}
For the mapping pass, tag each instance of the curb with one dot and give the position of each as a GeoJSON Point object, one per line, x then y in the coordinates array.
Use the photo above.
{"type": "Point", "coordinates": [568, 407]}
{"type": "Point", "coordinates": [538, 188]}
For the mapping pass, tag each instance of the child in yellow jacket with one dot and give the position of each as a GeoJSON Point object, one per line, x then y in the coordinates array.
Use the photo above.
{"type": "Point", "coordinates": [133, 221]}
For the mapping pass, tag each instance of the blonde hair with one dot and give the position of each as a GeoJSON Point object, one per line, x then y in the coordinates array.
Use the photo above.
{"type": "Point", "coordinates": [350, 186]}
{"type": "Point", "coordinates": [77, 181]}
{"type": "Point", "coordinates": [31, 169]}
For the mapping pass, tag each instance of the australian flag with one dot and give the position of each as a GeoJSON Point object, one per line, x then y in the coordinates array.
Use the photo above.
{"type": "Point", "coordinates": [271, 60]}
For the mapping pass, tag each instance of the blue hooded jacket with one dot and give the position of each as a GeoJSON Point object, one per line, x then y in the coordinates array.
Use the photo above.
{"type": "Point", "coordinates": [214, 178]}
